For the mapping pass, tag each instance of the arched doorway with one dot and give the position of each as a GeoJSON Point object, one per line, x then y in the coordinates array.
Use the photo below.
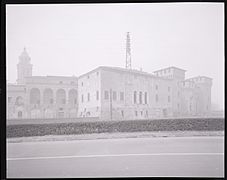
{"type": "Point", "coordinates": [35, 96]}
{"type": "Point", "coordinates": [72, 97]}
{"type": "Point", "coordinates": [19, 101]}
{"type": "Point", "coordinates": [19, 114]}
{"type": "Point", "coordinates": [60, 96]}
{"type": "Point", "coordinates": [48, 96]}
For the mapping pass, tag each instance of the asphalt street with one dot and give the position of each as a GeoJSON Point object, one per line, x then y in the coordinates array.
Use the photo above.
{"type": "Point", "coordinates": [155, 157]}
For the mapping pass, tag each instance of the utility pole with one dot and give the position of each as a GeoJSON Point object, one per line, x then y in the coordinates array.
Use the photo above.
{"type": "Point", "coordinates": [128, 64]}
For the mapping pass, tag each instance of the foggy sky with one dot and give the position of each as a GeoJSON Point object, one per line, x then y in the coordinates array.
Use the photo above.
{"type": "Point", "coordinates": [74, 39]}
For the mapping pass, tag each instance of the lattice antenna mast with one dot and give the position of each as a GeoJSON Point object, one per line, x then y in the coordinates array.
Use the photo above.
{"type": "Point", "coordinates": [128, 64]}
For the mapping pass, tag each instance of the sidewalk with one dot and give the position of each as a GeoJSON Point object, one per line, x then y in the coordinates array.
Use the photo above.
{"type": "Point", "coordinates": [115, 135]}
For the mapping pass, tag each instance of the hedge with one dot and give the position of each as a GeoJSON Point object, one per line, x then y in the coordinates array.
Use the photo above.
{"type": "Point", "coordinates": [25, 130]}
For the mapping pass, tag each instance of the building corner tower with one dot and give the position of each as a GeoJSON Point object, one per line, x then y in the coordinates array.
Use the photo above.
{"type": "Point", "coordinates": [24, 67]}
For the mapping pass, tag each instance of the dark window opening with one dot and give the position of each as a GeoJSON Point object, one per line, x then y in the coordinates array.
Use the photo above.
{"type": "Point", "coordinates": [88, 97]}
{"type": "Point", "coordinates": [114, 95]}
{"type": "Point", "coordinates": [106, 95]}
{"type": "Point", "coordinates": [122, 96]}
{"type": "Point", "coordinates": [134, 97]}
{"type": "Point", "coordinates": [140, 97]}
{"type": "Point", "coordinates": [156, 98]}
{"type": "Point", "coordinates": [19, 114]}
{"type": "Point", "coordinates": [145, 98]}
{"type": "Point", "coordinates": [97, 95]}
{"type": "Point", "coordinates": [122, 113]}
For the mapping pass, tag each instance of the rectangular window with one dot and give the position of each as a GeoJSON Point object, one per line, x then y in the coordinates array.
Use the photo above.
{"type": "Point", "coordinates": [82, 83]}
{"type": "Point", "coordinates": [114, 95]}
{"type": "Point", "coordinates": [146, 113]}
{"type": "Point", "coordinates": [156, 87]}
{"type": "Point", "coordinates": [88, 96]}
{"type": "Point", "coordinates": [51, 100]}
{"type": "Point", "coordinates": [141, 112]}
{"type": "Point", "coordinates": [122, 113]}
{"type": "Point", "coordinates": [9, 99]}
{"type": "Point", "coordinates": [106, 95]}
{"type": "Point", "coordinates": [135, 113]}
{"type": "Point", "coordinates": [156, 98]}
{"type": "Point", "coordinates": [122, 96]}
{"type": "Point", "coordinates": [140, 97]}
{"type": "Point", "coordinates": [168, 98]}
{"type": "Point", "coordinates": [82, 98]}
{"type": "Point", "coordinates": [97, 95]}
{"type": "Point", "coordinates": [145, 98]}
{"type": "Point", "coordinates": [168, 89]}
{"type": "Point", "coordinates": [134, 97]}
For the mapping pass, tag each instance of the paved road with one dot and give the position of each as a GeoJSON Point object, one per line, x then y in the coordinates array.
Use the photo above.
{"type": "Point", "coordinates": [172, 156]}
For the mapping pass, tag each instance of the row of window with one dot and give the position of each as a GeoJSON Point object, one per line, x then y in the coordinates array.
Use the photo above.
{"type": "Point", "coordinates": [164, 71]}
{"type": "Point", "coordinates": [121, 97]}
{"type": "Point", "coordinates": [114, 95]}
{"type": "Point", "coordinates": [141, 113]}
{"type": "Point", "coordinates": [88, 77]}
{"type": "Point", "coordinates": [145, 98]}
{"type": "Point", "coordinates": [140, 97]}
{"type": "Point", "coordinates": [61, 82]}
{"type": "Point", "coordinates": [88, 97]}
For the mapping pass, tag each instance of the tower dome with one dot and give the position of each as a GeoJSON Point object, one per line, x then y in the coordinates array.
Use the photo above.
{"type": "Point", "coordinates": [24, 57]}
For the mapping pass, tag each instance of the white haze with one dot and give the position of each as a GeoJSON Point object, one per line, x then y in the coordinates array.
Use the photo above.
{"type": "Point", "coordinates": [74, 39]}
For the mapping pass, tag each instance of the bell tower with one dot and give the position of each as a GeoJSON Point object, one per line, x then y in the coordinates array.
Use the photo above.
{"type": "Point", "coordinates": [24, 67]}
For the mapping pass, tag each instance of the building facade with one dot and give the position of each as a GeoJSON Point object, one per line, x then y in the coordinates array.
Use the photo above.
{"type": "Point", "coordinates": [109, 93]}
{"type": "Point", "coordinates": [41, 96]}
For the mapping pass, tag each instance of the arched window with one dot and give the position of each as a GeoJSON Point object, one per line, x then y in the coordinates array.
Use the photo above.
{"type": "Point", "coordinates": [19, 114]}
{"type": "Point", "coordinates": [35, 96]}
{"type": "Point", "coordinates": [19, 101]}
{"type": "Point", "coordinates": [48, 96]}
{"type": "Point", "coordinates": [61, 96]}
{"type": "Point", "coordinates": [72, 96]}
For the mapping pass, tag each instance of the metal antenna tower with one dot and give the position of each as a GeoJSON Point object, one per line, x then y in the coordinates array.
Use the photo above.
{"type": "Point", "coordinates": [128, 64]}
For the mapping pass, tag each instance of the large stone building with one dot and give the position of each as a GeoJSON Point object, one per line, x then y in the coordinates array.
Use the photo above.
{"type": "Point", "coordinates": [108, 93]}
{"type": "Point", "coordinates": [40, 96]}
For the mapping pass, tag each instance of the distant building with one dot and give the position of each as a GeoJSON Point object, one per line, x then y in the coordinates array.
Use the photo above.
{"type": "Point", "coordinates": [108, 93]}
{"type": "Point", "coordinates": [40, 96]}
